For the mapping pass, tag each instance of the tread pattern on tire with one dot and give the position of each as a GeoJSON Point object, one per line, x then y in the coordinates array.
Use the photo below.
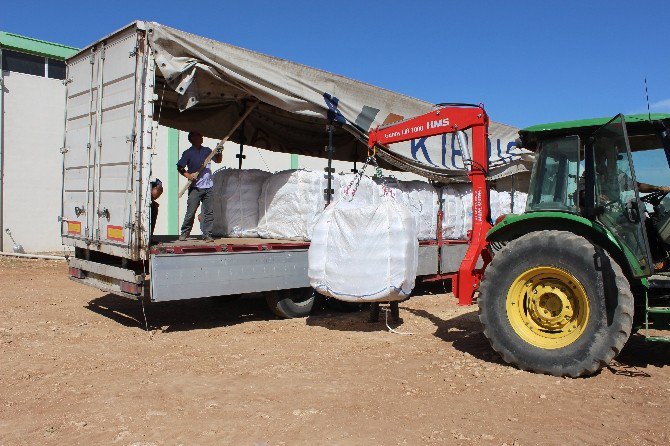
{"type": "Point", "coordinates": [622, 321]}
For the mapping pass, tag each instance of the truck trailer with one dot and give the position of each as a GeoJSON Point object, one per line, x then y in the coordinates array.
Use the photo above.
{"type": "Point", "coordinates": [120, 88]}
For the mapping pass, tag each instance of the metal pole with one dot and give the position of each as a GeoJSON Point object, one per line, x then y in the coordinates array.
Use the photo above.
{"type": "Point", "coordinates": [241, 155]}
{"type": "Point", "coordinates": [329, 170]}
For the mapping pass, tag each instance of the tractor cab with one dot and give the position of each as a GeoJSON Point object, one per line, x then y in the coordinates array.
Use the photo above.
{"type": "Point", "coordinates": [586, 168]}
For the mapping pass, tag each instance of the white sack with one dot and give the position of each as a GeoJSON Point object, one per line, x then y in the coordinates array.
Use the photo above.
{"type": "Point", "coordinates": [422, 200]}
{"type": "Point", "coordinates": [365, 253]}
{"type": "Point", "coordinates": [366, 191]}
{"type": "Point", "coordinates": [420, 197]}
{"type": "Point", "coordinates": [236, 193]}
{"type": "Point", "coordinates": [290, 202]}
{"type": "Point", "coordinates": [457, 218]}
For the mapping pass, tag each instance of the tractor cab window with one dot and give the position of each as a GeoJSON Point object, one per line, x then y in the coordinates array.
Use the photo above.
{"type": "Point", "coordinates": [555, 177]}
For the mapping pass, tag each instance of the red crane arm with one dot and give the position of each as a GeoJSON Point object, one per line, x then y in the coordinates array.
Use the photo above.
{"type": "Point", "coordinates": [450, 119]}
{"type": "Point", "coordinates": [447, 119]}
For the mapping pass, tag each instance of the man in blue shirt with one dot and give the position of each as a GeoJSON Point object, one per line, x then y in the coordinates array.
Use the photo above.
{"type": "Point", "coordinates": [201, 189]}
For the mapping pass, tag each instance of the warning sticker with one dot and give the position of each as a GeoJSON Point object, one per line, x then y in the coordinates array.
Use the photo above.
{"type": "Point", "coordinates": [74, 227]}
{"type": "Point", "coordinates": [115, 233]}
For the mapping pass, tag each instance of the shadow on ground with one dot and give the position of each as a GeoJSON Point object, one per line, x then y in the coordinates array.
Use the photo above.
{"type": "Point", "coordinates": [464, 332]}
{"type": "Point", "coordinates": [182, 315]}
{"type": "Point", "coordinates": [638, 354]}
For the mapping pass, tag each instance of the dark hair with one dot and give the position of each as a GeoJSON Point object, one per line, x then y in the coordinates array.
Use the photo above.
{"type": "Point", "coordinates": [191, 134]}
{"type": "Point", "coordinates": [156, 183]}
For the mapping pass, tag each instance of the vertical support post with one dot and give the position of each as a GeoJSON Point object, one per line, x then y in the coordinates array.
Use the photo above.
{"type": "Point", "coordinates": [294, 161]}
{"type": "Point", "coordinates": [172, 191]}
{"type": "Point", "coordinates": [467, 281]}
{"type": "Point", "coordinates": [240, 156]}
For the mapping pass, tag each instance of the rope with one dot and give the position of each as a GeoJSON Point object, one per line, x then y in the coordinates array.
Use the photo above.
{"type": "Point", "coordinates": [386, 311]}
{"type": "Point", "coordinates": [144, 313]}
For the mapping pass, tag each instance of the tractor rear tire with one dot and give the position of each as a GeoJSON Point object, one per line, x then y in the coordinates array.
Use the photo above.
{"type": "Point", "coordinates": [552, 302]}
{"type": "Point", "coordinates": [292, 303]}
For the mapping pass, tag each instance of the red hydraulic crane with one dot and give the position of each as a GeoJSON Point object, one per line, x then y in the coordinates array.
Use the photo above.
{"type": "Point", "coordinates": [451, 119]}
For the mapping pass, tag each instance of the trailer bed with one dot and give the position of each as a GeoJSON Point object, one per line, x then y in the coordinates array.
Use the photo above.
{"type": "Point", "coordinates": [170, 244]}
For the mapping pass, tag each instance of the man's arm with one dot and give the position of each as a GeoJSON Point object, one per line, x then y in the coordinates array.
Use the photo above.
{"type": "Point", "coordinates": [182, 171]}
{"type": "Point", "coordinates": [181, 165]}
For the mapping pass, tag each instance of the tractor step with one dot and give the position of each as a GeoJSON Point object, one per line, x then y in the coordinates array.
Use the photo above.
{"type": "Point", "coordinates": [658, 310]}
{"type": "Point", "coordinates": [664, 325]}
{"type": "Point", "coordinates": [657, 338]}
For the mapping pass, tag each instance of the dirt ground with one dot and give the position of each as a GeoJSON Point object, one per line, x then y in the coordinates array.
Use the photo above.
{"type": "Point", "coordinates": [78, 367]}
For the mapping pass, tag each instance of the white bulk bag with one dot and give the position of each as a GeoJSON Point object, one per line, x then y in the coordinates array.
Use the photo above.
{"type": "Point", "coordinates": [520, 199]}
{"type": "Point", "coordinates": [290, 202]}
{"type": "Point", "coordinates": [236, 193]}
{"type": "Point", "coordinates": [364, 253]}
{"type": "Point", "coordinates": [454, 212]}
{"type": "Point", "coordinates": [364, 190]}
{"type": "Point", "coordinates": [422, 200]}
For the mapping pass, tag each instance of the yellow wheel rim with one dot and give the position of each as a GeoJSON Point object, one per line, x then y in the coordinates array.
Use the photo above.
{"type": "Point", "coordinates": [547, 307]}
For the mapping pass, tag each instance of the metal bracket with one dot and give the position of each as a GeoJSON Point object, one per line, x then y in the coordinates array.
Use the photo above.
{"type": "Point", "coordinates": [130, 138]}
{"type": "Point", "coordinates": [64, 150]}
{"type": "Point", "coordinates": [128, 225]}
{"type": "Point", "coordinates": [60, 218]}
{"type": "Point", "coordinates": [79, 211]}
{"type": "Point", "coordinates": [133, 52]}
{"type": "Point", "coordinates": [66, 81]}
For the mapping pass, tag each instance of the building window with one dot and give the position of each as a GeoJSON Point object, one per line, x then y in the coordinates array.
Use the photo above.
{"type": "Point", "coordinates": [56, 69]}
{"type": "Point", "coordinates": [22, 63]}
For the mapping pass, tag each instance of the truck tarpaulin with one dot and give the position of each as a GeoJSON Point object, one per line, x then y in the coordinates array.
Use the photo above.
{"type": "Point", "coordinates": [207, 85]}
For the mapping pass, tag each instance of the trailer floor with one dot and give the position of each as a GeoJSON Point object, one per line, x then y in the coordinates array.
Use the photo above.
{"type": "Point", "coordinates": [78, 367]}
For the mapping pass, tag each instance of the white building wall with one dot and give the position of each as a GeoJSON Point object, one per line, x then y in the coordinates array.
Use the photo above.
{"type": "Point", "coordinates": [33, 136]}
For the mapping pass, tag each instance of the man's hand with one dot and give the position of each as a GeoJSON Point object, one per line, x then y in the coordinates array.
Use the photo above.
{"type": "Point", "coordinates": [190, 176]}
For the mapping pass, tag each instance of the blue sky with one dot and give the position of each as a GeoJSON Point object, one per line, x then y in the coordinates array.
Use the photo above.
{"type": "Point", "coordinates": [528, 61]}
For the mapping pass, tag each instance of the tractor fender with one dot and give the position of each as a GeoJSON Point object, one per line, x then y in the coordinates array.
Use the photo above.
{"type": "Point", "coordinates": [515, 226]}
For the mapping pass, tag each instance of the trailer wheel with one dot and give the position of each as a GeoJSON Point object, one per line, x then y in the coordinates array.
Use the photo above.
{"type": "Point", "coordinates": [552, 302]}
{"type": "Point", "coordinates": [297, 302]}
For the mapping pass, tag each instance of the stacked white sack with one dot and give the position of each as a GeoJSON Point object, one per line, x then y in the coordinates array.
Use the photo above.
{"type": "Point", "coordinates": [422, 200]}
{"type": "Point", "coordinates": [364, 253]}
{"type": "Point", "coordinates": [290, 202]}
{"type": "Point", "coordinates": [501, 203]}
{"type": "Point", "coordinates": [457, 218]}
{"type": "Point", "coordinates": [520, 199]}
{"type": "Point", "coordinates": [236, 194]}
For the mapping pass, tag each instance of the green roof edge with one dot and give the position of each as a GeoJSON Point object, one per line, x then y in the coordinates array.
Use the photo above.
{"type": "Point", "coordinates": [34, 46]}
{"type": "Point", "coordinates": [593, 122]}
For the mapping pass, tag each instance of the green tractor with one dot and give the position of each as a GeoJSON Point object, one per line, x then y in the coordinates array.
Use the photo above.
{"type": "Point", "coordinates": [587, 262]}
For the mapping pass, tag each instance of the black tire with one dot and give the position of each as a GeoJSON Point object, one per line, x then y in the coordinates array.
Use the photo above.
{"type": "Point", "coordinates": [608, 293]}
{"type": "Point", "coordinates": [297, 302]}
